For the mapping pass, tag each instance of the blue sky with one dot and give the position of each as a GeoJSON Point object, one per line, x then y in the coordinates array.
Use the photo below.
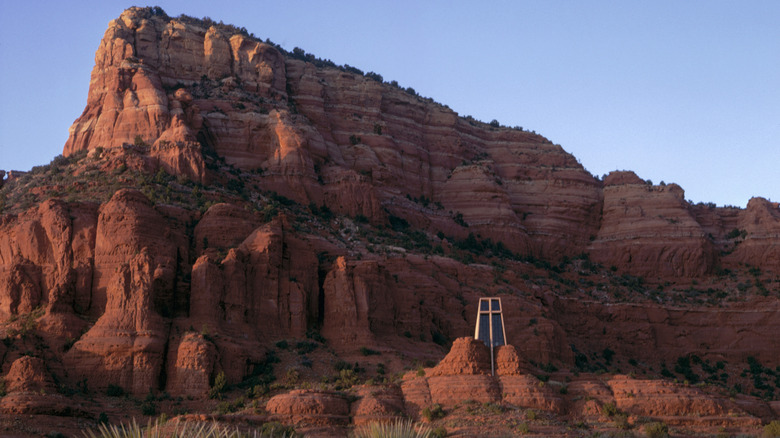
{"type": "Point", "coordinates": [679, 91]}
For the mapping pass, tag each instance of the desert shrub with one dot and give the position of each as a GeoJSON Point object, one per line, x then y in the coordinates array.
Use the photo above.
{"type": "Point", "coordinates": [433, 412]}
{"type": "Point", "coordinates": [522, 428]}
{"type": "Point", "coordinates": [115, 391]}
{"type": "Point", "coordinates": [608, 355]}
{"type": "Point", "coordinates": [148, 408]}
{"type": "Point", "coordinates": [656, 430]}
{"type": "Point", "coordinates": [346, 379]}
{"type": "Point", "coordinates": [439, 339]}
{"type": "Point", "coordinates": [305, 347]}
{"type": "Point", "coordinates": [219, 385]}
{"type": "Point", "coordinates": [342, 365]}
{"type": "Point", "coordinates": [227, 407]}
{"type": "Point", "coordinates": [609, 409]}
{"type": "Point", "coordinates": [398, 429]}
{"type": "Point", "coordinates": [494, 408]}
{"type": "Point", "coordinates": [365, 351]}
{"type": "Point", "coordinates": [736, 232]}
{"type": "Point", "coordinates": [771, 430]}
{"type": "Point", "coordinates": [439, 432]}
{"type": "Point", "coordinates": [621, 421]}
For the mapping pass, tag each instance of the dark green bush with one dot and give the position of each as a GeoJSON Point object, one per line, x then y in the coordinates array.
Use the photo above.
{"type": "Point", "coordinates": [115, 391]}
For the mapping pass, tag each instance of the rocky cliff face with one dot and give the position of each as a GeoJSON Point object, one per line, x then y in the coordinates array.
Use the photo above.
{"type": "Point", "coordinates": [220, 196]}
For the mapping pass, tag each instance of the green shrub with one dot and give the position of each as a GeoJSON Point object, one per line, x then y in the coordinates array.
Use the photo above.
{"type": "Point", "coordinates": [398, 429]}
{"type": "Point", "coordinates": [656, 430]}
{"type": "Point", "coordinates": [346, 379]}
{"type": "Point", "coordinates": [305, 347]}
{"type": "Point", "coordinates": [219, 385]}
{"type": "Point", "coordinates": [433, 412]}
{"type": "Point", "coordinates": [115, 391]}
{"type": "Point", "coordinates": [148, 408]}
{"type": "Point", "coordinates": [227, 407]}
{"type": "Point", "coordinates": [439, 432]}
{"type": "Point", "coordinates": [523, 428]}
{"type": "Point", "coordinates": [771, 430]}
{"type": "Point", "coordinates": [365, 351]}
{"type": "Point", "coordinates": [609, 409]}
{"type": "Point", "coordinates": [621, 421]}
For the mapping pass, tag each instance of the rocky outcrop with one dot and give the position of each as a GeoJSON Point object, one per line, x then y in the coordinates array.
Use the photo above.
{"type": "Point", "coordinates": [377, 405]}
{"type": "Point", "coordinates": [31, 391]}
{"type": "Point", "coordinates": [29, 374]}
{"type": "Point", "coordinates": [126, 345]}
{"type": "Point", "coordinates": [465, 374]}
{"type": "Point", "coordinates": [127, 225]}
{"type": "Point", "coordinates": [191, 364]}
{"type": "Point", "coordinates": [655, 334]}
{"type": "Point", "coordinates": [331, 137]}
{"type": "Point", "coordinates": [310, 407]}
{"type": "Point", "coordinates": [468, 356]}
{"type": "Point", "coordinates": [761, 225]}
{"type": "Point", "coordinates": [648, 230]}
{"type": "Point", "coordinates": [354, 143]}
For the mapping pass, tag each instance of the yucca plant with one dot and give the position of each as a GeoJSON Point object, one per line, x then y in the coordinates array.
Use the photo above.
{"type": "Point", "coordinates": [397, 429]}
{"type": "Point", "coordinates": [181, 430]}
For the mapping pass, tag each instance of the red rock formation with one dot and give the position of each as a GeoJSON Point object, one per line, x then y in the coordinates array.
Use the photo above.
{"type": "Point", "coordinates": [32, 392]}
{"type": "Point", "coordinates": [509, 363]}
{"type": "Point", "coordinates": [224, 226]}
{"type": "Point", "coordinates": [233, 100]}
{"type": "Point", "coordinates": [28, 374]}
{"type": "Point", "coordinates": [761, 222]}
{"type": "Point", "coordinates": [377, 404]}
{"type": "Point", "coordinates": [649, 230]}
{"type": "Point", "coordinates": [653, 333]}
{"type": "Point", "coordinates": [127, 225]}
{"type": "Point", "coordinates": [179, 295]}
{"type": "Point", "coordinates": [310, 407]}
{"type": "Point", "coordinates": [190, 365]}
{"type": "Point", "coordinates": [125, 346]}
{"type": "Point", "coordinates": [468, 356]}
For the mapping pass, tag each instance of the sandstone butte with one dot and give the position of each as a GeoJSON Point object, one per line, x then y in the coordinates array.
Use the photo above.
{"type": "Point", "coordinates": [231, 219]}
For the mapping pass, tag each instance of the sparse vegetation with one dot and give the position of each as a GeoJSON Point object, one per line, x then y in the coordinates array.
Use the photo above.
{"type": "Point", "coordinates": [398, 429]}
{"type": "Point", "coordinates": [433, 412]}
{"type": "Point", "coordinates": [656, 430]}
{"type": "Point", "coordinates": [115, 391]}
{"type": "Point", "coordinates": [771, 430]}
{"type": "Point", "coordinates": [187, 429]}
{"type": "Point", "coordinates": [220, 382]}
